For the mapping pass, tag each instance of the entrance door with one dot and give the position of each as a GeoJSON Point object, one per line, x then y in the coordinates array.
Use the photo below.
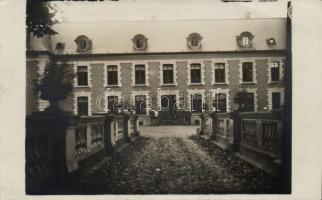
{"type": "Point", "coordinates": [168, 109]}
{"type": "Point", "coordinates": [168, 102]}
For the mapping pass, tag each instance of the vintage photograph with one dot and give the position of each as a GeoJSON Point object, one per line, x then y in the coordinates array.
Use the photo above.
{"type": "Point", "coordinates": [158, 97]}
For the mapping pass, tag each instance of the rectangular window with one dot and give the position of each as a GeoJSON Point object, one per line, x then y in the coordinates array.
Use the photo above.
{"type": "Point", "coordinates": [168, 74]}
{"type": "Point", "coordinates": [220, 102]}
{"type": "Point", "coordinates": [275, 71]}
{"type": "Point", "coordinates": [276, 100]}
{"type": "Point", "coordinates": [140, 104]}
{"type": "Point", "coordinates": [139, 74]}
{"type": "Point", "coordinates": [112, 76]}
{"type": "Point", "coordinates": [82, 76]}
{"type": "Point", "coordinates": [195, 73]}
{"type": "Point", "coordinates": [220, 73]}
{"type": "Point", "coordinates": [112, 102]}
{"type": "Point", "coordinates": [196, 103]}
{"type": "Point", "coordinates": [82, 105]}
{"type": "Point", "coordinates": [248, 72]}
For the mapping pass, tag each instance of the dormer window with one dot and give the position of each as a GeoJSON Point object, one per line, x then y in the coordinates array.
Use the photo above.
{"type": "Point", "coordinates": [244, 40]}
{"type": "Point", "coordinates": [60, 46]}
{"type": "Point", "coordinates": [194, 41]}
{"type": "Point", "coordinates": [84, 44]}
{"type": "Point", "coordinates": [140, 42]}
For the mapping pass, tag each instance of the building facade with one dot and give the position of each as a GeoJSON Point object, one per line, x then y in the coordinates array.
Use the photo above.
{"type": "Point", "coordinates": [153, 66]}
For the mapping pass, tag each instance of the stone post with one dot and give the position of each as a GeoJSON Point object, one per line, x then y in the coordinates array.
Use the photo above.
{"type": "Point", "coordinates": [88, 135]}
{"type": "Point", "coordinates": [64, 155]}
{"type": "Point", "coordinates": [259, 132]}
{"type": "Point", "coordinates": [126, 127]}
{"type": "Point", "coordinates": [214, 125]}
{"type": "Point", "coordinates": [135, 121]}
{"type": "Point", "coordinates": [108, 129]}
{"type": "Point", "coordinates": [277, 164]}
{"type": "Point", "coordinates": [70, 148]}
{"type": "Point", "coordinates": [237, 132]}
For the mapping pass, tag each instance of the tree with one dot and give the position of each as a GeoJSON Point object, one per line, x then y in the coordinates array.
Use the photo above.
{"type": "Point", "coordinates": [40, 18]}
{"type": "Point", "coordinates": [55, 85]}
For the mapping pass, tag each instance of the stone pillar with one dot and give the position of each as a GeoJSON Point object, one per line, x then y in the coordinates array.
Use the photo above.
{"type": "Point", "coordinates": [277, 163]}
{"type": "Point", "coordinates": [88, 135]}
{"type": "Point", "coordinates": [135, 126]}
{"type": "Point", "coordinates": [64, 155]}
{"type": "Point", "coordinates": [71, 161]}
{"type": "Point", "coordinates": [202, 124]}
{"type": "Point", "coordinates": [214, 125]}
{"type": "Point", "coordinates": [108, 130]}
{"type": "Point", "coordinates": [236, 130]}
{"type": "Point", "coordinates": [126, 128]}
{"type": "Point", "coordinates": [259, 132]}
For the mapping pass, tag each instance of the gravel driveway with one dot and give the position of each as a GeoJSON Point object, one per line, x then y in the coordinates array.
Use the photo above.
{"type": "Point", "coordinates": [166, 161]}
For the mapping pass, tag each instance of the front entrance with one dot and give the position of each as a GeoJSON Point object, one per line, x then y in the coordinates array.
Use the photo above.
{"type": "Point", "coordinates": [168, 103]}
{"type": "Point", "coordinates": [170, 114]}
{"type": "Point", "coordinates": [167, 114]}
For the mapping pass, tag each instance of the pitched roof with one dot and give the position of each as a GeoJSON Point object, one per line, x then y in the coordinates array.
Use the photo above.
{"type": "Point", "coordinates": [170, 36]}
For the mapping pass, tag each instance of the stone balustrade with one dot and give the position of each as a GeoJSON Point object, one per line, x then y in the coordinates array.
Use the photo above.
{"type": "Point", "coordinates": [261, 139]}
{"type": "Point", "coordinates": [255, 136]}
{"type": "Point", "coordinates": [59, 146]}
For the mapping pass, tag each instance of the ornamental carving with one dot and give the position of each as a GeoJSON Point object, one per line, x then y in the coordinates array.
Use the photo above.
{"type": "Point", "coordinates": [194, 41]}
{"type": "Point", "coordinates": [140, 42]}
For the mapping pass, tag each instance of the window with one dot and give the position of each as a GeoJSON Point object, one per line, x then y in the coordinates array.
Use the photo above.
{"type": "Point", "coordinates": [112, 102]}
{"type": "Point", "coordinates": [140, 104]}
{"type": "Point", "coordinates": [82, 105]}
{"type": "Point", "coordinates": [220, 102]}
{"type": "Point", "coordinates": [196, 103]}
{"type": "Point", "coordinates": [82, 76]}
{"type": "Point", "coordinates": [112, 76]}
{"type": "Point", "coordinates": [60, 46]}
{"type": "Point", "coordinates": [245, 41]}
{"type": "Point", "coordinates": [194, 41]}
{"type": "Point", "coordinates": [247, 72]}
{"type": "Point", "coordinates": [139, 43]}
{"type": "Point", "coordinates": [195, 73]}
{"type": "Point", "coordinates": [275, 71]}
{"type": "Point", "coordinates": [220, 73]}
{"type": "Point", "coordinates": [276, 100]}
{"type": "Point", "coordinates": [168, 74]}
{"type": "Point", "coordinates": [82, 44]}
{"type": "Point", "coordinates": [139, 74]}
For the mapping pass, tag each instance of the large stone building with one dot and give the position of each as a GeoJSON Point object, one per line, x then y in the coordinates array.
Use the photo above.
{"type": "Point", "coordinates": [191, 65]}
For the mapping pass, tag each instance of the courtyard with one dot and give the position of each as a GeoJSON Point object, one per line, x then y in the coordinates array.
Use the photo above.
{"type": "Point", "coordinates": [174, 160]}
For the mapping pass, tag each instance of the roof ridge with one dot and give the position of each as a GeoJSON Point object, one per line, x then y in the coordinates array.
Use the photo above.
{"type": "Point", "coordinates": [172, 20]}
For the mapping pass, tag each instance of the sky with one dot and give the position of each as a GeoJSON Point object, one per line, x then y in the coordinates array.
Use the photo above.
{"type": "Point", "coordinates": [142, 10]}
